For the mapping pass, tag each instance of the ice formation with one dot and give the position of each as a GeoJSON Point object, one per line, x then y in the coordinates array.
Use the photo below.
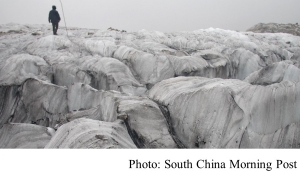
{"type": "Point", "coordinates": [209, 88]}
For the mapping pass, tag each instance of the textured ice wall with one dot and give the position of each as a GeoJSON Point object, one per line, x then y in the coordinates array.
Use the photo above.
{"type": "Point", "coordinates": [214, 113]}
{"type": "Point", "coordinates": [25, 136]}
{"type": "Point", "coordinates": [87, 133]}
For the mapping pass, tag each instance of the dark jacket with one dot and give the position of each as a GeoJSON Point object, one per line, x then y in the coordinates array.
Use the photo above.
{"type": "Point", "coordinates": [54, 16]}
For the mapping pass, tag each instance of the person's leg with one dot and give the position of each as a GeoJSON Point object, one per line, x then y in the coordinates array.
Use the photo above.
{"type": "Point", "coordinates": [53, 25]}
{"type": "Point", "coordinates": [56, 28]}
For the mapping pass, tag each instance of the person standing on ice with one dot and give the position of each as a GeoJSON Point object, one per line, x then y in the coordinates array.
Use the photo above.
{"type": "Point", "coordinates": [54, 18]}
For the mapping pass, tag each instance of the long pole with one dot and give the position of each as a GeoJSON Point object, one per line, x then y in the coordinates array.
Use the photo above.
{"type": "Point", "coordinates": [64, 17]}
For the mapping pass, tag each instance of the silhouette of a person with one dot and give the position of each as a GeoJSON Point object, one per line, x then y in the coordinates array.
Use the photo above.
{"type": "Point", "coordinates": [54, 18]}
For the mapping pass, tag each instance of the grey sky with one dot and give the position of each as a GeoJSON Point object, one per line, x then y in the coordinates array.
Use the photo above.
{"type": "Point", "coordinates": [161, 15]}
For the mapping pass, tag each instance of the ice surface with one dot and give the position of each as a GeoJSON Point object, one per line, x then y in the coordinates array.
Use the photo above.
{"type": "Point", "coordinates": [209, 88]}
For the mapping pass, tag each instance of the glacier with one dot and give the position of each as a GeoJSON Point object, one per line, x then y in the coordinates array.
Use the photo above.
{"type": "Point", "coordinates": [89, 88]}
